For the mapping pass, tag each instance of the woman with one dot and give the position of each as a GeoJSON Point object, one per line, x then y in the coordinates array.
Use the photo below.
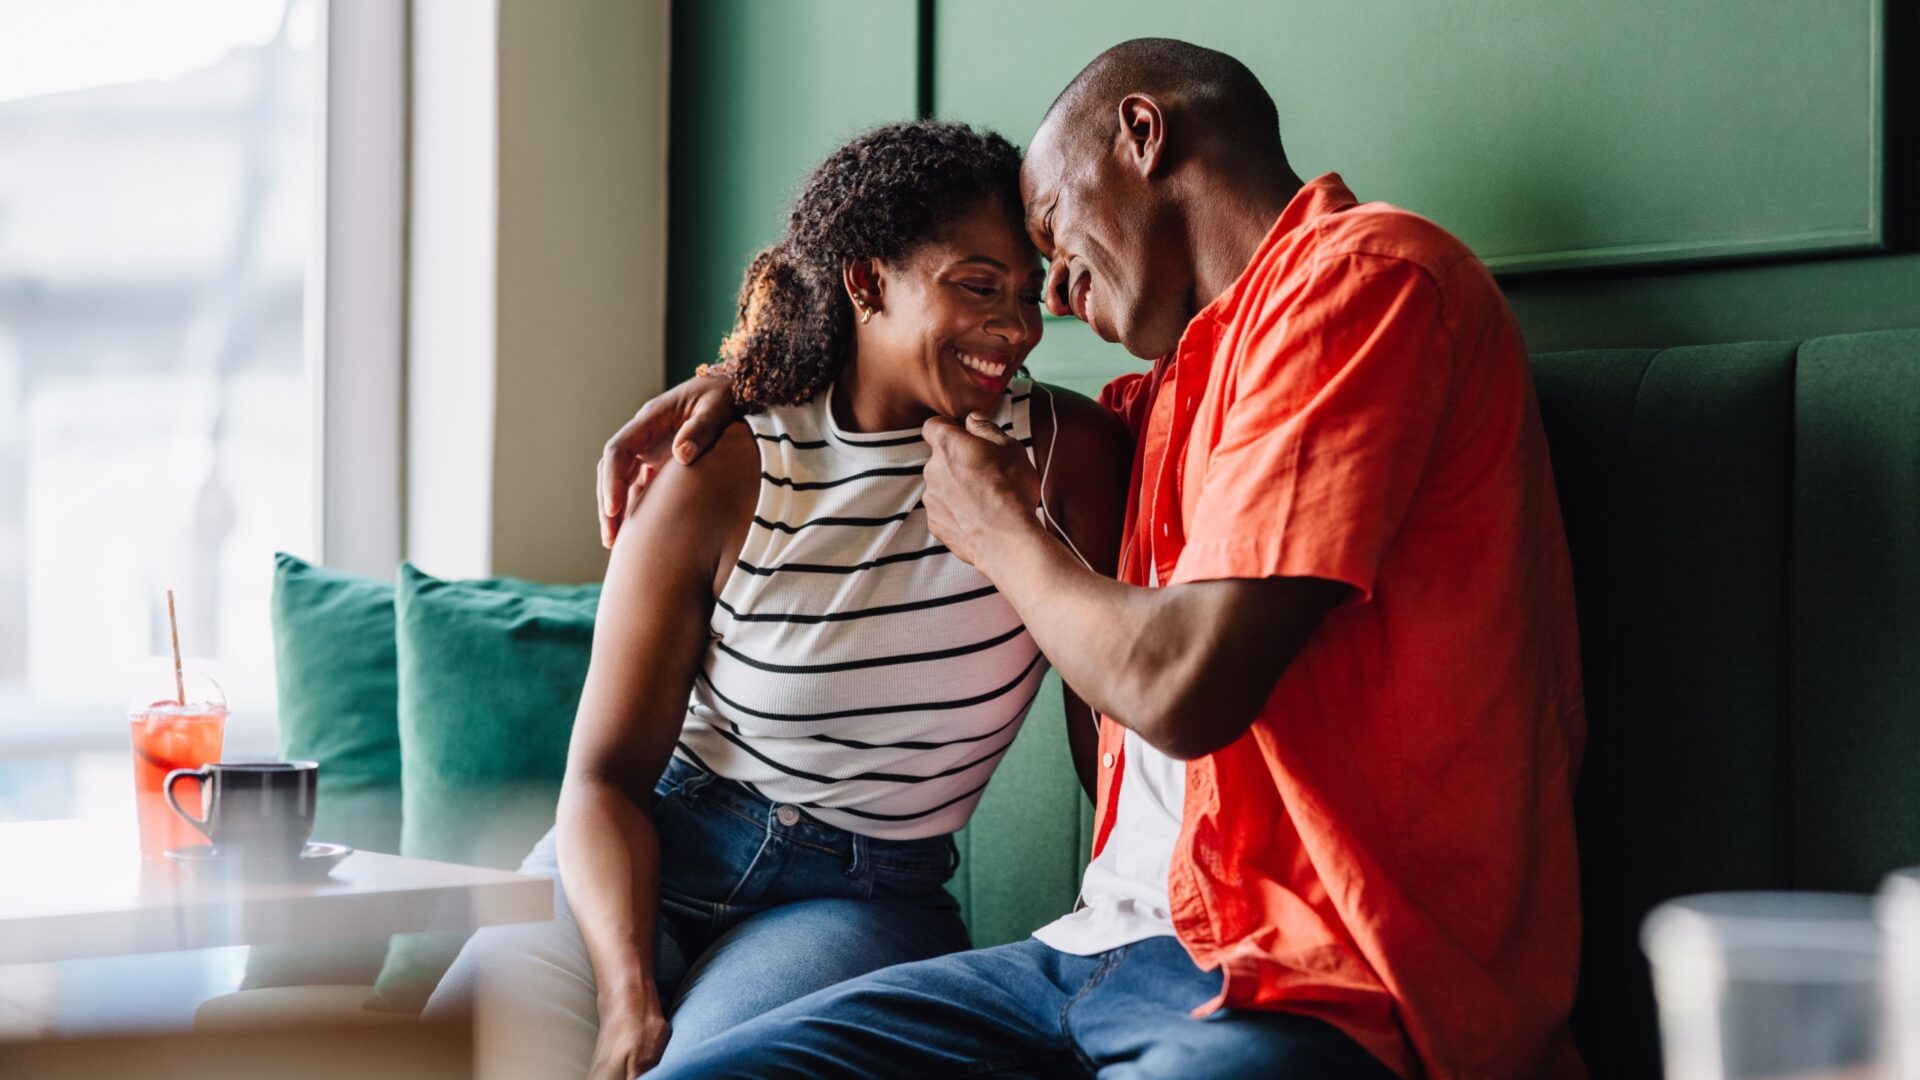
{"type": "Point", "coordinates": [796, 694]}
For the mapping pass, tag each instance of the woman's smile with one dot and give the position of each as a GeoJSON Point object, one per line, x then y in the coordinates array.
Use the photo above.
{"type": "Point", "coordinates": [988, 370]}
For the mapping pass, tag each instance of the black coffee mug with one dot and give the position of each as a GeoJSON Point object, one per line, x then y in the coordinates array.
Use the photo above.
{"type": "Point", "coordinates": [254, 809]}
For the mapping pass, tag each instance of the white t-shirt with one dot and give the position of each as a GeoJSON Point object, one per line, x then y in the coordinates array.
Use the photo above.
{"type": "Point", "coordinates": [1124, 893]}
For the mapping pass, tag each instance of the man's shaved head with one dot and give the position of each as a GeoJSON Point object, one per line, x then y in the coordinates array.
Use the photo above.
{"type": "Point", "coordinates": [1153, 177]}
{"type": "Point", "coordinates": [1220, 98]}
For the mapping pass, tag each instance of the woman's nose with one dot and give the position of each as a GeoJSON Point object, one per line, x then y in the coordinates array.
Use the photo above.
{"type": "Point", "coordinates": [1016, 323]}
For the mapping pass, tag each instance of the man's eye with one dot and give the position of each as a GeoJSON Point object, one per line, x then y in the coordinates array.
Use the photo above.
{"type": "Point", "coordinates": [977, 290]}
{"type": "Point", "coordinates": [1032, 299]}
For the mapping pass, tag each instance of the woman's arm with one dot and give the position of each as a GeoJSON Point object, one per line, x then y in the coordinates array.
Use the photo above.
{"type": "Point", "coordinates": [648, 641]}
{"type": "Point", "coordinates": [1086, 466]}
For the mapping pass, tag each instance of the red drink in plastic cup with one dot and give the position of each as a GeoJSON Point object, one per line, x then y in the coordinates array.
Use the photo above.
{"type": "Point", "coordinates": [169, 736]}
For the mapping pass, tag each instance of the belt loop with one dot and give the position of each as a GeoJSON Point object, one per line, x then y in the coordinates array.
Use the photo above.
{"type": "Point", "coordinates": [857, 864]}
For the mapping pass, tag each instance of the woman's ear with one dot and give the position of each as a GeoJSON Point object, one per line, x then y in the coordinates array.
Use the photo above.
{"type": "Point", "coordinates": [866, 287]}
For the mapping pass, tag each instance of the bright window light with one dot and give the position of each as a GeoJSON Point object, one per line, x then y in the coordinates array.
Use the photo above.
{"type": "Point", "coordinates": [156, 215]}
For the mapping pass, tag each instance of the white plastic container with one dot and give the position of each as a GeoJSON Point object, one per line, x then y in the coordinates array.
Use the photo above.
{"type": "Point", "coordinates": [1767, 984]}
{"type": "Point", "coordinates": [1899, 910]}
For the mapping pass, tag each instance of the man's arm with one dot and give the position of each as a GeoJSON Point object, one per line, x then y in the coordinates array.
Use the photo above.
{"type": "Point", "coordinates": [1186, 666]}
{"type": "Point", "coordinates": [679, 425]}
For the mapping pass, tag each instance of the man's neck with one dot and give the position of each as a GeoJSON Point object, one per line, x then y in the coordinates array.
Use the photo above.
{"type": "Point", "coordinates": [1232, 214]}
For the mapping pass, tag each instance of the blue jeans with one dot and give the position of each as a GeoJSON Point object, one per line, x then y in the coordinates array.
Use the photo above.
{"type": "Point", "coordinates": [759, 905]}
{"type": "Point", "coordinates": [1027, 1010]}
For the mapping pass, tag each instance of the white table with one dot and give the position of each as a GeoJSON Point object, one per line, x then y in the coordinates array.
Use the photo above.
{"type": "Point", "coordinates": [78, 888]}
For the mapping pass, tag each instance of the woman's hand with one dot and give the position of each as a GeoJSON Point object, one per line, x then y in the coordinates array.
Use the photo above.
{"type": "Point", "coordinates": [680, 424]}
{"type": "Point", "coordinates": [632, 1037]}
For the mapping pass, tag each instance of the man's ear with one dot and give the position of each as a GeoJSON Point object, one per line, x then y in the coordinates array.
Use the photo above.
{"type": "Point", "coordinates": [866, 285]}
{"type": "Point", "coordinates": [1143, 134]}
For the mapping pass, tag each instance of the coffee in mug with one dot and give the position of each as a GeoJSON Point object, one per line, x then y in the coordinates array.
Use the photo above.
{"type": "Point", "coordinates": [254, 809]}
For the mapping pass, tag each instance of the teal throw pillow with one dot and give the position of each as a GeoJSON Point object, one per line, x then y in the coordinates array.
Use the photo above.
{"type": "Point", "coordinates": [490, 676]}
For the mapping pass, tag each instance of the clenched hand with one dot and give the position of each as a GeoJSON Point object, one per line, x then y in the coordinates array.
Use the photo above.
{"type": "Point", "coordinates": [980, 484]}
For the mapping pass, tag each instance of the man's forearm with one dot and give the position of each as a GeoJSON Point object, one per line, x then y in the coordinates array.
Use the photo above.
{"type": "Point", "coordinates": [1110, 641]}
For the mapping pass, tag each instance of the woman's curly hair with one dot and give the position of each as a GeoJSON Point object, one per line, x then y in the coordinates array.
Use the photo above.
{"type": "Point", "coordinates": [878, 197]}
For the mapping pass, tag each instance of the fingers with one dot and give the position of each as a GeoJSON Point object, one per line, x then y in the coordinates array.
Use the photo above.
{"type": "Point", "coordinates": [938, 430]}
{"type": "Point", "coordinates": [700, 431]}
{"type": "Point", "coordinates": [981, 427]}
{"type": "Point", "coordinates": [622, 453]}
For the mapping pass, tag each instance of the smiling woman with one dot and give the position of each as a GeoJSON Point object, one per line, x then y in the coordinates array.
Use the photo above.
{"type": "Point", "coordinates": [797, 694]}
{"type": "Point", "coordinates": [918, 216]}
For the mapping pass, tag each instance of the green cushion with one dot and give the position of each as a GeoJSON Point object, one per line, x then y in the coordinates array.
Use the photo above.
{"type": "Point", "coordinates": [338, 689]}
{"type": "Point", "coordinates": [1855, 687]}
{"type": "Point", "coordinates": [1672, 474]}
{"type": "Point", "coordinates": [490, 675]}
{"type": "Point", "coordinates": [1022, 852]}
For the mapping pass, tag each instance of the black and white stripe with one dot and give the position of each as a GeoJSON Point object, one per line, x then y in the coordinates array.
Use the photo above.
{"type": "Point", "coordinates": [858, 669]}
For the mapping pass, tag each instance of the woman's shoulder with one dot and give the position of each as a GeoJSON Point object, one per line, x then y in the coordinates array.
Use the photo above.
{"type": "Point", "coordinates": [708, 489]}
{"type": "Point", "coordinates": [1088, 431]}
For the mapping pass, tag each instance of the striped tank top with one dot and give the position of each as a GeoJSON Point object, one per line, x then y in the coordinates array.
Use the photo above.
{"type": "Point", "coordinates": [857, 669]}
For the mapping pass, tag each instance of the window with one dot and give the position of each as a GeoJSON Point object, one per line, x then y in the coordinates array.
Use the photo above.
{"type": "Point", "coordinates": [157, 211]}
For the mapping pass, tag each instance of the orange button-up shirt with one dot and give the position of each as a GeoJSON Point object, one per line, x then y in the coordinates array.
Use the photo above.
{"type": "Point", "coordinates": [1390, 846]}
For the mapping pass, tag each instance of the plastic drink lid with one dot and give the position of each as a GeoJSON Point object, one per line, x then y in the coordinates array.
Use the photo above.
{"type": "Point", "coordinates": [1899, 904]}
{"type": "Point", "coordinates": [1768, 936]}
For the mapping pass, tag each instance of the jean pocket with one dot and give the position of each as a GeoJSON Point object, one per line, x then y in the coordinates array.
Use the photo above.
{"type": "Point", "coordinates": [706, 849]}
{"type": "Point", "coordinates": [680, 778]}
{"type": "Point", "coordinates": [917, 868]}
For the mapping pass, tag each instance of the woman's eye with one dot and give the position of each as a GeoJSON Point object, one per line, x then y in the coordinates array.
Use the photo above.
{"type": "Point", "coordinates": [977, 290]}
{"type": "Point", "coordinates": [1030, 299]}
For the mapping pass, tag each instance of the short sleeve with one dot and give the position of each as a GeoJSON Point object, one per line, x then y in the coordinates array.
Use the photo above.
{"type": "Point", "coordinates": [1337, 406]}
{"type": "Point", "coordinates": [1126, 397]}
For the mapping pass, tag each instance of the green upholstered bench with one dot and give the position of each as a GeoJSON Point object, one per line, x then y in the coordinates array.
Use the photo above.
{"type": "Point", "coordinates": [1745, 529]}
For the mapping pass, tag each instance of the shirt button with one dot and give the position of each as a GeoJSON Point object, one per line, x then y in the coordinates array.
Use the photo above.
{"type": "Point", "coordinates": [788, 815]}
{"type": "Point", "coordinates": [1106, 761]}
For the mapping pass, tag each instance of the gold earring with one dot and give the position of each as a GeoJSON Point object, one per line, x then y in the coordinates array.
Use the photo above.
{"type": "Point", "coordinates": [866, 313]}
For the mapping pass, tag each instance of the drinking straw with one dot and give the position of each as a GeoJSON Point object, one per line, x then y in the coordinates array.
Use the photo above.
{"type": "Point", "coordinates": [179, 678]}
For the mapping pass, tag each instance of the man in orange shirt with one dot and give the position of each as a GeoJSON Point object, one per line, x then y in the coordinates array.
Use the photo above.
{"type": "Point", "coordinates": [1338, 674]}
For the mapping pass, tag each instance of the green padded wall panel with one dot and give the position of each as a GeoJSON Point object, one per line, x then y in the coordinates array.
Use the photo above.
{"type": "Point", "coordinates": [1674, 485]}
{"type": "Point", "coordinates": [1543, 134]}
{"type": "Point", "coordinates": [1855, 748]}
{"type": "Point", "coordinates": [761, 92]}
{"type": "Point", "coordinates": [1021, 855]}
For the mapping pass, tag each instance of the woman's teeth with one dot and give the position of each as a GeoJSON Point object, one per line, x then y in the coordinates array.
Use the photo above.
{"type": "Point", "coordinates": [989, 368]}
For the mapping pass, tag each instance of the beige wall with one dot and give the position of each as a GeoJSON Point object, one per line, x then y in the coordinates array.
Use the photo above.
{"type": "Point", "coordinates": [537, 272]}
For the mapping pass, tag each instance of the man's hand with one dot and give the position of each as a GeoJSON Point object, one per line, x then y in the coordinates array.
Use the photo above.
{"type": "Point", "coordinates": [980, 485]}
{"type": "Point", "coordinates": [631, 1041]}
{"type": "Point", "coordinates": [679, 425]}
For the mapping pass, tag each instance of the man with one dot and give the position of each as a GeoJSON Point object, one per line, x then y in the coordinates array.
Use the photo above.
{"type": "Point", "coordinates": [1338, 675]}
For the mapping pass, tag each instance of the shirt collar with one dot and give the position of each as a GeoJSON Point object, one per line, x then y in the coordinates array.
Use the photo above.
{"type": "Point", "coordinates": [1316, 198]}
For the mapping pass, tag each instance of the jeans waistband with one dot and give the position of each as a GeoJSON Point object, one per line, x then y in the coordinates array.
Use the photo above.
{"type": "Point", "coordinates": [705, 786]}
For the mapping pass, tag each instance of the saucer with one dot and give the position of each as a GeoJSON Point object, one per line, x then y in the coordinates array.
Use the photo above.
{"type": "Point", "coordinates": [314, 862]}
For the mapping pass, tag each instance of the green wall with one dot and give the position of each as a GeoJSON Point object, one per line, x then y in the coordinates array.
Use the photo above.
{"type": "Point", "coordinates": [762, 90]}
{"type": "Point", "coordinates": [1649, 172]}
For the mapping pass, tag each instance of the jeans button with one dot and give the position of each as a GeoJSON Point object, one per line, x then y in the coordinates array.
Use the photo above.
{"type": "Point", "coordinates": [788, 815]}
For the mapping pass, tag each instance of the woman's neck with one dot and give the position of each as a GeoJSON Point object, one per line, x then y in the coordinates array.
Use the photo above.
{"type": "Point", "coordinates": [860, 406]}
